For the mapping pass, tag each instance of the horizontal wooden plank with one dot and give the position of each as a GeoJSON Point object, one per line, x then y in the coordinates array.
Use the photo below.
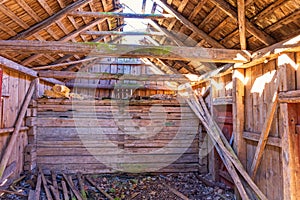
{"type": "Point", "coordinates": [105, 151]}
{"type": "Point", "coordinates": [100, 168]}
{"type": "Point", "coordinates": [110, 102]}
{"type": "Point", "coordinates": [121, 158]}
{"type": "Point", "coordinates": [82, 122]}
{"type": "Point", "coordinates": [255, 137]}
{"type": "Point", "coordinates": [133, 51]}
{"type": "Point", "coordinates": [10, 130]}
{"type": "Point", "coordinates": [289, 96]}
{"type": "Point", "coordinates": [110, 115]}
{"type": "Point", "coordinates": [222, 101]}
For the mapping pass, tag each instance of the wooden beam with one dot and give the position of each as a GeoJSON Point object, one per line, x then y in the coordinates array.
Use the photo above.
{"type": "Point", "coordinates": [259, 34]}
{"type": "Point", "coordinates": [272, 52]}
{"type": "Point", "coordinates": [119, 15]}
{"type": "Point", "coordinates": [265, 130]}
{"type": "Point", "coordinates": [242, 23]}
{"type": "Point", "coordinates": [166, 32]}
{"type": "Point", "coordinates": [289, 96]}
{"type": "Point", "coordinates": [8, 64]}
{"type": "Point", "coordinates": [105, 76]}
{"type": "Point", "coordinates": [100, 49]}
{"type": "Point", "coordinates": [18, 124]}
{"type": "Point", "coordinates": [121, 33]}
{"type": "Point", "coordinates": [120, 86]}
{"type": "Point", "coordinates": [251, 136]}
{"type": "Point", "coordinates": [59, 15]}
{"type": "Point", "coordinates": [190, 25]}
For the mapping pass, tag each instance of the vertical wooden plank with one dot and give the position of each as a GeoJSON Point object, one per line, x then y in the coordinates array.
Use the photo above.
{"type": "Point", "coordinates": [238, 78]}
{"type": "Point", "coordinates": [297, 55]}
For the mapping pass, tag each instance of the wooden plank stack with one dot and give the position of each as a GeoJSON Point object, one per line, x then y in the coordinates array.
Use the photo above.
{"type": "Point", "coordinates": [109, 136]}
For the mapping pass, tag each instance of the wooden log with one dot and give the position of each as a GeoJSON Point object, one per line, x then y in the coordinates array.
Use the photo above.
{"type": "Point", "coordinates": [71, 185]}
{"type": "Point", "coordinates": [265, 130]}
{"type": "Point", "coordinates": [123, 50]}
{"type": "Point", "coordinates": [18, 124]}
{"type": "Point", "coordinates": [119, 15]}
{"type": "Point", "coordinates": [98, 188]}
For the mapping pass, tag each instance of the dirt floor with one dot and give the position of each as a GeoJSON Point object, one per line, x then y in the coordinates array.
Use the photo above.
{"type": "Point", "coordinates": [173, 186]}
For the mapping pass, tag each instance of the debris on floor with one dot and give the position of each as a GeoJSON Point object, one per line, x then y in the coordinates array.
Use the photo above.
{"type": "Point", "coordinates": [175, 186]}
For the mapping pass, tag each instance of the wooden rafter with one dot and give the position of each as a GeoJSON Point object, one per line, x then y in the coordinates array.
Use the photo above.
{"type": "Point", "coordinates": [67, 38]}
{"type": "Point", "coordinates": [13, 16]}
{"type": "Point", "coordinates": [251, 28]}
{"type": "Point", "coordinates": [98, 49]}
{"type": "Point", "coordinates": [267, 11]}
{"type": "Point", "coordinates": [119, 15]}
{"type": "Point", "coordinates": [189, 24]}
{"type": "Point", "coordinates": [197, 10]}
{"type": "Point", "coordinates": [242, 23]}
{"type": "Point", "coordinates": [43, 24]}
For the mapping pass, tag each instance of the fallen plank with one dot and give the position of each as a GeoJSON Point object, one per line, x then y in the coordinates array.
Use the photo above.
{"type": "Point", "coordinates": [65, 190]}
{"type": "Point", "coordinates": [47, 191]}
{"type": "Point", "coordinates": [72, 187]}
{"type": "Point", "coordinates": [98, 188]}
{"type": "Point", "coordinates": [176, 192]}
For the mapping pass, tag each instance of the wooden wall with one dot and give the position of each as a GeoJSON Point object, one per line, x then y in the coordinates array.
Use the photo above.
{"type": "Point", "coordinates": [259, 92]}
{"type": "Point", "coordinates": [14, 88]}
{"type": "Point", "coordinates": [113, 88]}
{"type": "Point", "coordinates": [146, 136]}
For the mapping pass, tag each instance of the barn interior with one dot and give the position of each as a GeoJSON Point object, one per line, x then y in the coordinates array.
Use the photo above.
{"type": "Point", "coordinates": [164, 91]}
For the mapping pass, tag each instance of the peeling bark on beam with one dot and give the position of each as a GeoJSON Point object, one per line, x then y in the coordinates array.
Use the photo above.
{"type": "Point", "coordinates": [119, 15]}
{"type": "Point", "coordinates": [60, 14]}
{"type": "Point", "coordinates": [189, 24]}
{"type": "Point", "coordinates": [6, 63]}
{"type": "Point", "coordinates": [104, 76]}
{"type": "Point", "coordinates": [137, 51]}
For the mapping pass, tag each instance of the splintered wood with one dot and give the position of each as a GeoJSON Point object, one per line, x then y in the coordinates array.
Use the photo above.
{"type": "Point", "coordinates": [224, 149]}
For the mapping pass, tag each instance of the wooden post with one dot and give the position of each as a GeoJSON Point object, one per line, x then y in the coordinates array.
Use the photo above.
{"type": "Point", "coordinates": [242, 23]}
{"type": "Point", "coordinates": [18, 124]}
{"type": "Point", "coordinates": [238, 93]}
